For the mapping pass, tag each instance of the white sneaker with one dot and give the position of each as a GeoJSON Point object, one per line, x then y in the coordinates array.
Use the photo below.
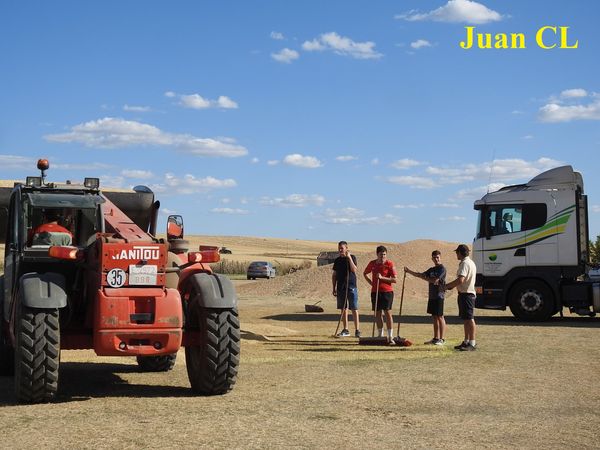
{"type": "Point", "coordinates": [439, 342]}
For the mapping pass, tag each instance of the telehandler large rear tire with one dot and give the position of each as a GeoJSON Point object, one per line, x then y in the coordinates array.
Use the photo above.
{"type": "Point", "coordinates": [37, 354]}
{"type": "Point", "coordinates": [162, 363]}
{"type": "Point", "coordinates": [212, 365]}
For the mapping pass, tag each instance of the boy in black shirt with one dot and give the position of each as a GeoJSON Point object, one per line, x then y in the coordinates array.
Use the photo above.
{"type": "Point", "coordinates": [343, 279]}
{"type": "Point", "coordinates": [436, 277]}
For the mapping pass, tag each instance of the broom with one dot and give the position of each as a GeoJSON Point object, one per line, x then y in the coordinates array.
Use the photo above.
{"type": "Point", "coordinates": [402, 342]}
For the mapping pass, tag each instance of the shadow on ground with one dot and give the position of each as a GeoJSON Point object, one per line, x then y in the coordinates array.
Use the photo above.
{"type": "Point", "coordinates": [577, 322]}
{"type": "Point", "coordinates": [83, 381]}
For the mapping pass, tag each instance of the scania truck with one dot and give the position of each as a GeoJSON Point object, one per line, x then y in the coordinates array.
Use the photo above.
{"type": "Point", "coordinates": [532, 248]}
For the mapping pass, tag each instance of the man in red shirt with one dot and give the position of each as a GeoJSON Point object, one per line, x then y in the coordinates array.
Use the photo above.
{"type": "Point", "coordinates": [383, 274]}
{"type": "Point", "coordinates": [50, 232]}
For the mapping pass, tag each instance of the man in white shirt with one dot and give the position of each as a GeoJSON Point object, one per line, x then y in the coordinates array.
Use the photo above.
{"type": "Point", "coordinates": [465, 283]}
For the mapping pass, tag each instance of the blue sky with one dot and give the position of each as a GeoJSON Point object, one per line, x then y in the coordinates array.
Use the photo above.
{"type": "Point", "coordinates": [329, 120]}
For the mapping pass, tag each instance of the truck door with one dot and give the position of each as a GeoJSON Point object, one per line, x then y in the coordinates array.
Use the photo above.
{"type": "Point", "coordinates": [542, 228]}
{"type": "Point", "coordinates": [504, 239]}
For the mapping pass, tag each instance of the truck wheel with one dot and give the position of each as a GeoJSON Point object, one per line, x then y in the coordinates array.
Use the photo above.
{"type": "Point", "coordinates": [161, 363]}
{"type": "Point", "coordinates": [37, 354]}
{"type": "Point", "coordinates": [532, 300]}
{"type": "Point", "coordinates": [212, 366]}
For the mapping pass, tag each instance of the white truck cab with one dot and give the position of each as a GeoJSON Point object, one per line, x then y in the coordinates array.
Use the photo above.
{"type": "Point", "coordinates": [531, 248]}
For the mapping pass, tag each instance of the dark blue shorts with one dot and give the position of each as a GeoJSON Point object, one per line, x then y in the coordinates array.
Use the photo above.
{"type": "Point", "coordinates": [435, 306]}
{"type": "Point", "coordinates": [466, 303]}
{"type": "Point", "coordinates": [352, 299]}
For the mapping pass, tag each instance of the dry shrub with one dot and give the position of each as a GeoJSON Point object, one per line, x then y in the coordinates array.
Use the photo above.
{"type": "Point", "coordinates": [229, 267]}
{"type": "Point", "coordinates": [287, 267]}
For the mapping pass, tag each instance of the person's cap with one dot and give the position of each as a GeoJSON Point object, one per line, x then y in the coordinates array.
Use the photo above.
{"type": "Point", "coordinates": [462, 249]}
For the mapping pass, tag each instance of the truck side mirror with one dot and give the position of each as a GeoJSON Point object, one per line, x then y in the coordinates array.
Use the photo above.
{"type": "Point", "coordinates": [174, 228]}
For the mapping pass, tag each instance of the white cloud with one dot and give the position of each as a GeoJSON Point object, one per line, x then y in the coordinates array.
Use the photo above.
{"type": "Point", "coordinates": [414, 182]}
{"type": "Point", "coordinates": [478, 192]}
{"type": "Point", "coordinates": [517, 112]}
{"type": "Point", "coordinates": [277, 36]}
{"type": "Point", "coordinates": [527, 137]}
{"type": "Point", "coordinates": [196, 101]}
{"type": "Point", "coordinates": [500, 169]}
{"type": "Point", "coordinates": [272, 162]}
{"type": "Point", "coordinates": [456, 11]}
{"type": "Point", "coordinates": [346, 158]}
{"type": "Point", "coordinates": [574, 93]}
{"type": "Point", "coordinates": [420, 43]}
{"type": "Point", "coordinates": [17, 162]}
{"type": "Point", "coordinates": [225, 200]}
{"type": "Point", "coordinates": [254, 160]}
{"type": "Point", "coordinates": [453, 219]}
{"type": "Point", "coordinates": [375, 161]}
{"type": "Point", "coordinates": [167, 211]}
{"type": "Point", "coordinates": [556, 112]}
{"type": "Point", "coordinates": [294, 201]}
{"type": "Point", "coordinates": [410, 206]}
{"type": "Point", "coordinates": [342, 46]}
{"type": "Point", "coordinates": [405, 163]}
{"type": "Point", "coordinates": [170, 94]}
{"type": "Point", "coordinates": [140, 174]}
{"type": "Point", "coordinates": [307, 162]}
{"type": "Point", "coordinates": [226, 103]}
{"type": "Point", "coordinates": [111, 132]}
{"type": "Point", "coordinates": [230, 211]}
{"type": "Point", "coordinates": [354, 216]}
{"type": "Point", "coordinates": [28, 163]}
{"type": "Point", "coordinates": [445, 205]}
{"type": "Point", "coordinates": [189, 184]}
{"type": "Point", "coordinates": [285, 55]}
{"type": "Point", "coordinates": [112, 181]}
{"type": "Point", "coordinates": [596, 208]}
{"type": "Point", "coordinates": [131, 108]}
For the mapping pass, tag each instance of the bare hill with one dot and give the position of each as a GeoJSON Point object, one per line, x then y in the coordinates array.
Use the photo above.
{"type": "Point", "coordinates": [315, 283]}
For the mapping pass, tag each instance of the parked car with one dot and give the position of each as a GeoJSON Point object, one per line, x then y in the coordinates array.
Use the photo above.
{"type": "Point", "coordinates": [260, 269]}
{"type": "Point", "coordinates": [224, 251]}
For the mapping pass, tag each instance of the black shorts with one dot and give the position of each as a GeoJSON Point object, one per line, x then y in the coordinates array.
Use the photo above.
{"type": "Point", "coordinates": [466, 303]}
{"type": "Point", "coordinates": [435, 306]}
{"type": "Point", "coordinates": [384, 300]}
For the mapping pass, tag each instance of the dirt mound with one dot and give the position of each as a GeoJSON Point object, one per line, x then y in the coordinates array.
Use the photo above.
{"type": "Point", "coordinates": [316, 283]}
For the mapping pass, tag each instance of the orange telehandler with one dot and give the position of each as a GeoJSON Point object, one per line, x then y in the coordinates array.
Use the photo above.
{"type": "Point", "coordinates": [117, 288]}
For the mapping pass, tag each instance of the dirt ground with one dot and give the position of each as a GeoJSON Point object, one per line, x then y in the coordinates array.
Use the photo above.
{"type": "Point", "coordinates": [527, 386]}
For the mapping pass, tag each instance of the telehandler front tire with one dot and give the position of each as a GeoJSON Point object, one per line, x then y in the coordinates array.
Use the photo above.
{"type": "Point", "coordinates": [37, 354]}
{"type": "Point", "coordinates": [212, 365]}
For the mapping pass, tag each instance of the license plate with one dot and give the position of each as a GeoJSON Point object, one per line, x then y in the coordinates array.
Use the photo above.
{"type": "Point", "coordinates": [142, 275]}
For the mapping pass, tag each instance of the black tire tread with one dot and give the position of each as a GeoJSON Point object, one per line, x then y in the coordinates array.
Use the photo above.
{"type": "Point", "coordinates": [37, 354]}
{"type": "Point", "coordinates": [212, 366]}
{"type": "Point", "coordinates": [160, 363]}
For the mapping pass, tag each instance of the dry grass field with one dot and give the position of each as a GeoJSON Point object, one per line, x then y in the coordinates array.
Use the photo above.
{"type": "Point", "coordinates": [528, 386]}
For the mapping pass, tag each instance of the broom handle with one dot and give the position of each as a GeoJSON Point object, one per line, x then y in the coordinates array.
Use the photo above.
{"type": "Point", "coordinates": [375, 309]}
{"type": "Point", "coordinates": [401, 300]}
{"type": "Point", "coordinates": [345, 302]}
